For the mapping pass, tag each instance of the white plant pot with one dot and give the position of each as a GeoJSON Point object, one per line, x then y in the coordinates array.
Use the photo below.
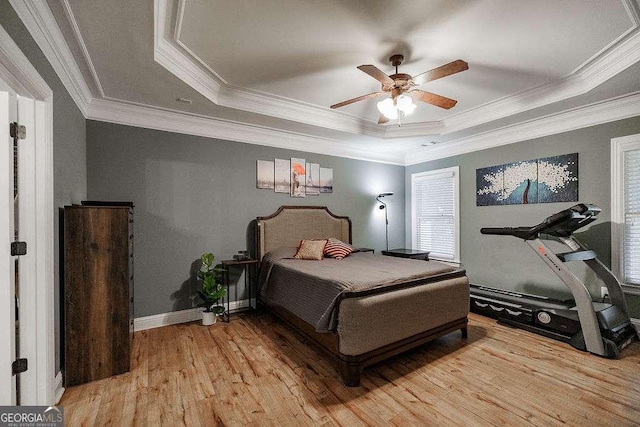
{"type": "Point", "coordinates": [208, 318]}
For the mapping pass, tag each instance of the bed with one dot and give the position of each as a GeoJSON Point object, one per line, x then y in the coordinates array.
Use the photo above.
{"type": "Point", "coordinates": [362, 309]}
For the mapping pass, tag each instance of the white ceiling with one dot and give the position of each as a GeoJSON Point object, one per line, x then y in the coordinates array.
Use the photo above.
{"type": "Point", "coordinates": [274, 67]}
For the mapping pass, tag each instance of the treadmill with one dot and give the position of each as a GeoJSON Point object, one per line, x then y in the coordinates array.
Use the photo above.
{"type": "Point", "coordinates": [603, 329]}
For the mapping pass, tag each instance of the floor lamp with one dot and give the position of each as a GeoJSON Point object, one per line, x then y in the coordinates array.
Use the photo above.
{"type": "Point", "coordinates": [386, 219]}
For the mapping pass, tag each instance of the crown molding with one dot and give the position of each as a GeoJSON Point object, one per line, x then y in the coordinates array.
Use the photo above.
{"type": "Point", "coordinates": [83, 47]}
{"type": "Point", "coordinates": [594, 114]}
{"type": "Point", "coordinates": [414, 129]}
{"type": "Point", "coordinates": [176, 39]}
{"type": "Point", "coordinates": [119, 112]}
{"type": "Point", "coordinates": [176, 61]}
{"type": "Point", "coordinates": [177, 58]}
{"type": "Point", "coordinates": [17, 71]}
{"type": "Point", "coordinates": [284, 108]}
{"type": "Point", "coordinates": [42, 26]}
{"type": "Point", "coordinates": [613, 59]}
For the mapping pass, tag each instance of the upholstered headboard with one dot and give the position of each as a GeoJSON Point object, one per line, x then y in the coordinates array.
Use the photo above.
{"type": "Point", "coordinates": [290, 224]}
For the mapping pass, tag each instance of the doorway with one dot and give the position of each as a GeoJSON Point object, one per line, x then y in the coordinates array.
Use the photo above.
{"type": "Point", "coordinates": [23, 87]}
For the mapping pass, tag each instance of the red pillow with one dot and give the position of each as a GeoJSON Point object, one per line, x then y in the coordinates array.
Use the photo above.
{"type": "Point", "coordinates": [337, 249]}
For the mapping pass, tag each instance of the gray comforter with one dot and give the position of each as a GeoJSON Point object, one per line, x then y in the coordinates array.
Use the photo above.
{"type": "Point", "coordinates": [312, 289]}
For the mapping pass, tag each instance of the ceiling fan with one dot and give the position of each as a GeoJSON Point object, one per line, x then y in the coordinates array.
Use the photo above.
{"type": "Point", "coordinates": [401, 88]}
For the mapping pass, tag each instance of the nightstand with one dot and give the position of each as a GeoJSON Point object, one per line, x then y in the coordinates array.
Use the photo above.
{"type": "Point", "coordinates": [250, 267]}
{"type": "Point", "coordinates": [407, 253]}
{"type": "Point", "coordinates": [364, 250]}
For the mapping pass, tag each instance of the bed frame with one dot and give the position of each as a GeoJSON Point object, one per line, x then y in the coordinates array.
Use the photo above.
{"type": "Point", "coordinates": [285, 228]}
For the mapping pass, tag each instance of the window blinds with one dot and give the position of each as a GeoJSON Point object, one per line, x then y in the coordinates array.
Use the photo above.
{"type": "Point", "coordinates": [434, 215]}
{"type": "Point", "coordinates": [631, 245]}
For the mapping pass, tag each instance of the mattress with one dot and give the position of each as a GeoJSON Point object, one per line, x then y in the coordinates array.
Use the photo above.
{"type": "Point", "coordinates": [313, 290]}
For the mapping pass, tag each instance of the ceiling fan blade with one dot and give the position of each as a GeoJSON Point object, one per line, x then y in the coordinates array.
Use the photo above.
{"type": "Point", "coordinates": [442, 71]}
{"type": "Point", "coordinates": [383, 119]}
{"type": "Point", "coordinates": [360, 98]}
{"type": "Point", "coordinates": [375, 72]}
{"type": "Point", "coordinates": [433, 99]}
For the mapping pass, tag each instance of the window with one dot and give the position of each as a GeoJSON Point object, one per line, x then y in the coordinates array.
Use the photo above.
{"type": "Point", "coordinates": [625, 209]}
{"type": "Point", "coordinates": [435, 216]}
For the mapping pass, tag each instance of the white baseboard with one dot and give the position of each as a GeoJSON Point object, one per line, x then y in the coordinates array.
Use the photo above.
{"type": "Point", "coordinates": [176, 317]}
{"type": "Point", "coordinates": [636, 324]}
{"type": "Point", "coordinates": [58, 390]}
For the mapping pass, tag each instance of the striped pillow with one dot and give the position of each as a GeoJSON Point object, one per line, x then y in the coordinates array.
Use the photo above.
{"type": "Point", "coordinates": [337, 249]}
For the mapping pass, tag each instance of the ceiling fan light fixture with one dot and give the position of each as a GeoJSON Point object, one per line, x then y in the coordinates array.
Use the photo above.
{"type": "Point", "coordinates": [387, 107]}
{"type": "Point", "coordinates": [405, 104]}
{"type": "Point", "coordinates": [391, 108]}
{"type": "Point", "coordinates": [400, 105]}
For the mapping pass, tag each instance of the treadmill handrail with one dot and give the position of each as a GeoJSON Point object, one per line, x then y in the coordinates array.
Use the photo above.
{"type": "Point", "coordinates": [560, 224]}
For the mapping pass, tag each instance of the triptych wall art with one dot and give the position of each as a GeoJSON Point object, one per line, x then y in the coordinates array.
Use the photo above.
{"type": "Point", "coordinates": [294, 176]}
{"type": "Point", "coordinates": [546, 180]}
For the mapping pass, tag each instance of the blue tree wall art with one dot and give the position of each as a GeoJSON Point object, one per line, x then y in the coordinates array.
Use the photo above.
{"type": "Point", "coordinates": [550, 179]}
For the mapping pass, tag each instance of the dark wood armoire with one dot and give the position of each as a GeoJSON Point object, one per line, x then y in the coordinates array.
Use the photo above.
{"type": "Point", "coordinates": [97, 272]}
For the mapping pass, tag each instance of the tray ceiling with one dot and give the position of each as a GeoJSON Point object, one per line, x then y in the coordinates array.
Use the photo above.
{"type": "Point", "coordinates": [279, 65]}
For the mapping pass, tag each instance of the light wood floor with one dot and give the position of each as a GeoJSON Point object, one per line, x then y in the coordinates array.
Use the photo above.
{"type": "Point", "coordinates": [255, 371]}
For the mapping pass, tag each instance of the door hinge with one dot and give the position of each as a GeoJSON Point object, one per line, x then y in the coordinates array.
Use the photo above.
{"type": "Point", "coordinates": [19, 366]}
{"type": "Point", "coordinates": [18, 248]}
{"type": "Point", "coordinates": [17, 131]}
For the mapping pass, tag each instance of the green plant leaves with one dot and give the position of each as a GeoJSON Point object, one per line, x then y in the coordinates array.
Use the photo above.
{"type": "Point", "coordinates": [211, 291]}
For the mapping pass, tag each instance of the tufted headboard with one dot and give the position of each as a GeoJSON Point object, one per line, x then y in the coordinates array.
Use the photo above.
{"type": "Point", "coordinates": [290, 224]}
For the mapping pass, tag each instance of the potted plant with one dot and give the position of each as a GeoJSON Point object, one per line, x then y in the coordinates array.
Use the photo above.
{"type": "Point", "coordinates": [212, 291]}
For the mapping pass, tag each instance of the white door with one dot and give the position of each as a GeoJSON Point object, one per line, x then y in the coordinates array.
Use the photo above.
{"type": "Point", "coordinates": [8, 114]}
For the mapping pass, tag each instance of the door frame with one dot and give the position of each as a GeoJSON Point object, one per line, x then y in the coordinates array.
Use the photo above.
{"type": "Point", "coordinates": [18, 72]}
{"type": "Point", "coordinates": [8, 110]}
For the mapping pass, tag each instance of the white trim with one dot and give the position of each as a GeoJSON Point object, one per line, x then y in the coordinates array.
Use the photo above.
{"type": "Point", "coordinates": [176, 317]}
{"type": "Point", "coordinates": [191, 124]}
{"type": "Point", "coordinates": [27, 264]}
{"type": "Point", "coordinates": [188, 67]}
{"type": "Point", "coordinates": [174, 55]}
{"type": "Point", "coordinates": [7, 294]}
{"type": "Point", "coordinates": [618, 147]}
{"type": "Point", "coordinates": [36, 15]}
{"type": "Point", "coordinates": [17, 71]}
{"type": "Point", "coordinates": [169, 56]}
{"type": "Point", "coordinates": [27, 82]}
{"type": "Point", "coordinates": [116, 111]}
{"type": "Point", "coordinates": [166, 319]}
{"type": "Point", "coordinates": [58, 388]}
{"type": "Point", "coordinates": [45, 242]}
{"type": "Point", "coordinates": [302, 112]}
{"type": "Point", "coordinates": [606, 64]}
{"type": "Point", "coordinates": [610, 110]}
{"type": "Point", "coordinates": [83, 47]}
{"type": "Point", "coordinates": [42, 26]}
{"type": "Point", "coordinates": [176, 38]}
{"type": "Point", "coordinates": [633, 10]}
{"type": "Point", "coordinates": [617, 56]}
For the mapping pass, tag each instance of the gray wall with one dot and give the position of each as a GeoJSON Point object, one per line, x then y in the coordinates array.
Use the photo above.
{"type": "Point", "coordinates": [69, 149]}
{"type": "Point", "coordinates": [507, 262]}
{"type": "Point", "coordinates": [194, 195]}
